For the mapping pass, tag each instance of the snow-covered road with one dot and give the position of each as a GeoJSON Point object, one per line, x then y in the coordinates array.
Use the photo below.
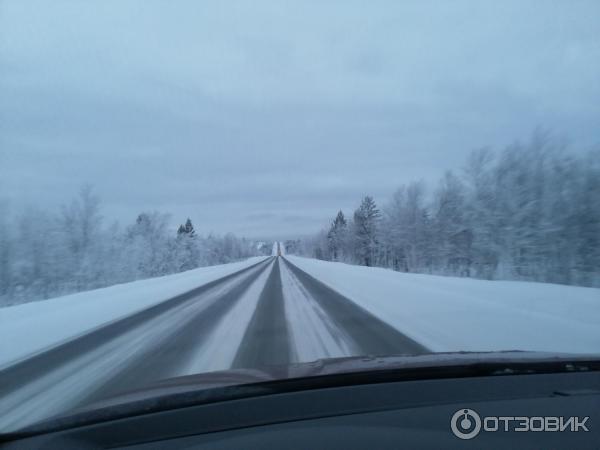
{"type": "Point", "coordinates": [272, 311]}
{"type": "Point", "coordinates": [269, 313]}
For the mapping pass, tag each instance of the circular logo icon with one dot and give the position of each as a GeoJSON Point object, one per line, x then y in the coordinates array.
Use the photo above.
{"type": "Point", "coordinates": [465, 424]}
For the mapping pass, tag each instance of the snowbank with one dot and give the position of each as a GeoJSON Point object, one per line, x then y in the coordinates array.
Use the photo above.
{"type": "Point", "coordinates": [453, 314]}
{"type": "Point", "coordinates": [31, 327]}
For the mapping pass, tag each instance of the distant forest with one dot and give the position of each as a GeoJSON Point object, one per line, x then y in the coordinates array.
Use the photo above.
{"type": "Point", "coordinates": [528, 212]}
{"type": "Point", "coordinates": [45, 254]}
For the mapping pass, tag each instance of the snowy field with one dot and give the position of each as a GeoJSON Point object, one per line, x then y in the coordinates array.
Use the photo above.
{"type": "Point", "coordinates": [451, 314]}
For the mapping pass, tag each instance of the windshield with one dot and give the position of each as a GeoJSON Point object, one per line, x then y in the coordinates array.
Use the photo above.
{"type": "Point", "coordinates": [195, 187]}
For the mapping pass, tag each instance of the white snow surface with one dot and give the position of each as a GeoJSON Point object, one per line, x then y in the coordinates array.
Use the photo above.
{"type": "Point", "coordinates": [33, 327]}
{"type": "Point", "coordinates": [463, 314]}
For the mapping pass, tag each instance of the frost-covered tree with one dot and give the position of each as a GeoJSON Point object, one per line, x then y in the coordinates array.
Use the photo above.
{"type": "Point", "coordinates": [187, 247]}
{"type": "Point", "coordinates": [44, 254]}
{"type": "Point", "coordinates": [528, 212]}
{"type": "Point", "coordinates": [366, 219]}
{"type": "Point", "coordinates": [337, 237]}
{"type": "Point", "coordinates": [405, 230]}
{"type": "Point", "coordinates": [147, 241]}
{"type": "Point", "coordinates": [187, 229]}
{"type": "Point", "coordinates": [79, 225]}
{"type": "Point", "coordinates": [450, 234]}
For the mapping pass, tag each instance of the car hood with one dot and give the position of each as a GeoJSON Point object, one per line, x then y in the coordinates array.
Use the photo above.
{"type": "Point", "coordinates": [336, 366]}
{"type": "Point", "coordinates": [224, 385]}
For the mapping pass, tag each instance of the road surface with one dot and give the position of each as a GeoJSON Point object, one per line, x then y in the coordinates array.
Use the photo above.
{"type": "Point", "coordinates": [271, 313]}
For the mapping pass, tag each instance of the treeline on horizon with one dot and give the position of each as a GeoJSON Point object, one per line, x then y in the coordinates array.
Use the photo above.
{"type": "Point", "coordinates": [44, 254]}
{"type": "Point", "coordinates": [529, 212]}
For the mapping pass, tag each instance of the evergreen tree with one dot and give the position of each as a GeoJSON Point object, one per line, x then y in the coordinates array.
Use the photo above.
{"type": "Point", "coordinates": [189, 228]}
{"type": "Point", "coordinates": [336, 238]}
{"type": "Point", "coordinates": [366, 219]}
{"type": "Point", "coordinates": [188, 253]}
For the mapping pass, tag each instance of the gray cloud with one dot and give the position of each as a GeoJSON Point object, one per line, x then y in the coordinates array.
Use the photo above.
{"type": "Point", "coordinates": [264, 118]}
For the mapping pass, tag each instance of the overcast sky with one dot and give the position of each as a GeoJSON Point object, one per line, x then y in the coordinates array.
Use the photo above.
{"type": "Point", "coordinates": [264, 118]}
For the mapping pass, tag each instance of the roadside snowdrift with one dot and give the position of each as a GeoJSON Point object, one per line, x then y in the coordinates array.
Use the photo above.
{"type": "Point", "coordinates": [454, 314]}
